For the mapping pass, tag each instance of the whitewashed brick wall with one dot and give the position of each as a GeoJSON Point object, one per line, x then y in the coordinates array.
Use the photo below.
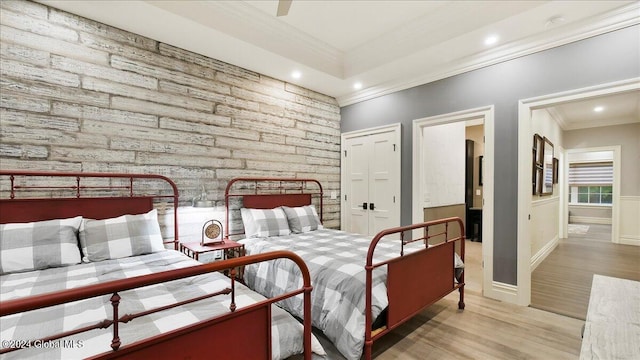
{"type": "Point", "coordinates": [77, 95]}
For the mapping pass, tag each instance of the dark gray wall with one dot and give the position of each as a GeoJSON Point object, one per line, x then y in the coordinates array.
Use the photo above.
{"type": "Point", "coordinates": [606, 58]}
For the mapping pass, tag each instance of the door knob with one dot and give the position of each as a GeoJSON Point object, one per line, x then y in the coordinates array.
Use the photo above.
{"type": "Point", "coordinates": [364, 206]}
{"type": "Point", "coordinates": [371, 206]}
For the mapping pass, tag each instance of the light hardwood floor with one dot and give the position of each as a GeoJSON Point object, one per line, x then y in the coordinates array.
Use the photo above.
{"type": "Point", "coordinates": [485, 329]}
{"type": "Point", "coordinates": [562, 282]}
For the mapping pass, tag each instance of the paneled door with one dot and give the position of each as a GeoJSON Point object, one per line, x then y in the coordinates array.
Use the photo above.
{"type": "Point", "coordinates": [371, 181]}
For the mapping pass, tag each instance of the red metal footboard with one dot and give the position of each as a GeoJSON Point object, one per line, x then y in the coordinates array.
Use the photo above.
{"type": "Point", "coordinates": [416, 280]}
{"type": "Point", "coordinates": [203, 340]}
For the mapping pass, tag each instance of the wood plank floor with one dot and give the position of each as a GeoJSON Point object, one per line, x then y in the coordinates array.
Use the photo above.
{"type": "Point", "coordinates": [562, 282]}
{"type": "Point", "coordinates": [485, 329]}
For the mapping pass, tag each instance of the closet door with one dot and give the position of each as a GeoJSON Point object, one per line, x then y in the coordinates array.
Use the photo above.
{"type": "Point", "coordinates": [384, 178]}
{"type": "Point", "coordinates": [356, 166]}
{"type": "Point", "coordinates": [371, 180]}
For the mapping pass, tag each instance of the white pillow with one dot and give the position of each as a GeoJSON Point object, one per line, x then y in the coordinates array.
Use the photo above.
{"type": "Point", "coordinates": [122, 236]}
{"type": "Point", "coordinates": [302, 219]}
{"type": "Point", "coordinates": [265, 222]}
{"type": "Point", "coordinates": [39, 245]}
{"type": "Point", "coordinates": [249, 225]}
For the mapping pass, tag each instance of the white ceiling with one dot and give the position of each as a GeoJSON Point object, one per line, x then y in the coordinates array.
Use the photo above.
{"type": "Point", "coordinates": [617, 109]}
{"type": "Point", "coordinates": [385, 45]}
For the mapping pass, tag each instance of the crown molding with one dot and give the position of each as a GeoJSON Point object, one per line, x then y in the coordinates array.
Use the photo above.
{"type": "Point", "coordinates": [253, 26]}
{"type": "Point", "coordinates": [611, 21]}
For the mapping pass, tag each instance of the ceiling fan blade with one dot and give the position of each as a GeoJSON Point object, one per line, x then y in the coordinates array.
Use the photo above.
{"type": "Point", "coordinates": [283, 7]}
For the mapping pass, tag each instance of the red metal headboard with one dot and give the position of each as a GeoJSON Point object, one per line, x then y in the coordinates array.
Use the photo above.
{"type": "Point", "coordinates": [269, 193]}
{"type": "Point", "coordinates": [35, 196]}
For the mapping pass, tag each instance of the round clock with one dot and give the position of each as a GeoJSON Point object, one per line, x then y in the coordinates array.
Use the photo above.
{"type": "Point", "coordinates": [212, 233]}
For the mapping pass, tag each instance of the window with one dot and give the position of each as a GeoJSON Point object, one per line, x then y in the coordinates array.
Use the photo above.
{"type": "Point", "coordinates": [591, 183]}
{"type": "Point", "coordinates": [592, 194]}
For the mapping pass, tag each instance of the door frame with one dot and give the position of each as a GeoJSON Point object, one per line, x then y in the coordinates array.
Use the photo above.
{"type": "Point", "coordinates": [486, 114]}
{"type": "Point", "coordinates": [525, 142]}
{"type": "Point", "coordinates": [396, 129]}
{"type": "Point", "coordinates": [615, 196]}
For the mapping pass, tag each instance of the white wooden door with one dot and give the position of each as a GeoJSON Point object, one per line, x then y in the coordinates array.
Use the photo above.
{"type": "Point", "coordinates": [357, 193]}
{"type": "Point", "coordinates": [384, 178]}
{"type": "Point", "coordinates": [371, 178]}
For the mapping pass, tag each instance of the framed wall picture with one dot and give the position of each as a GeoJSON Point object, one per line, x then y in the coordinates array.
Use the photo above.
{"type": "Point", "coordinates": [480, 161]}
{"type": "Point", "coordinates": [547, 168]}
{"type": "Point", "coordinates": [537, 161]}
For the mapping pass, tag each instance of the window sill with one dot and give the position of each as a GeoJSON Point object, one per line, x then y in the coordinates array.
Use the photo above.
{"type": "Point", "coordinates": [582, 205]}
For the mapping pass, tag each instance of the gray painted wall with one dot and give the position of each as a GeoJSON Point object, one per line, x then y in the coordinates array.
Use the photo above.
{"type": "Point", "coordinates": [606, 58]}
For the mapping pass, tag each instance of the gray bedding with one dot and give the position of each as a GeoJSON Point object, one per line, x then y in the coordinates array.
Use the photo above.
{"type": "Point", "coordinates": [336, 262]}
{"type": "Point", "coordinates": [286, 331]}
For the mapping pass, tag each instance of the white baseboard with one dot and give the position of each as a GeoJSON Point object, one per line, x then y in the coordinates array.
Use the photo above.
{"type": "Point", "coordinates": [589, 220]}
{"type": "Point", "coordinates": [543, 253]}
{"type": "Point", "coordinates": [629, 240]}
{"type": "Point", "coordinates": [503, 292]}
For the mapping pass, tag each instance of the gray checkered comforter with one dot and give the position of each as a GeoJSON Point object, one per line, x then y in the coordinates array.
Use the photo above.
{"type": "Point", "coordinates": [336, 262]}
{"type": "Point", "coordinates": [286, 331]}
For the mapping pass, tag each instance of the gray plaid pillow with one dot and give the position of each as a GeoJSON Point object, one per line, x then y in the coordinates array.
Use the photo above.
{"type": "Point", "coordinates": [271, 222]}
{"type": "Point", "coordinates": [302, 219]}
{"type": "Point", "coordinates": [123, 236]}
{"type": "Point", "coordinates": [39, 245]}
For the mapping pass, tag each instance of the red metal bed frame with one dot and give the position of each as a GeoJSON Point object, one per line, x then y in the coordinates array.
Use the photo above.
{"type": "Point", "coordinates": [434, 262]}
{"type": "Point", "coordinates": [200, 340]}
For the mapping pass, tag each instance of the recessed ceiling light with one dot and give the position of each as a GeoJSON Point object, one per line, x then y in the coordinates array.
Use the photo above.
{"type": "Point", "coordinates": [357, 86]}
{"type": "Point", "coordinates": [490, 40]}
{"type": "Point", "coordinates": [598, 109]}
{"type": "Point", "coordinates": [296, 74]}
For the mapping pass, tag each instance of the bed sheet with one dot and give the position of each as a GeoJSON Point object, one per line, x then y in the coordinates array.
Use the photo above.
{"type": "Point", "coordinates": [286, 330]}
{"type": "Point", "coordinates": [336, 262]}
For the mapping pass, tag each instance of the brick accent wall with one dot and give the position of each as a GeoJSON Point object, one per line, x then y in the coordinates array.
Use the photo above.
{"type": "Point", "coordinates": [78, 95]}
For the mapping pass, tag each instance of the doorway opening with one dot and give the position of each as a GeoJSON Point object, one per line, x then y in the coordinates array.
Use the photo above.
{"type": "Point", "coordinates": [422, 199]}
{"type": "Point", "coordinates": [525, 143]}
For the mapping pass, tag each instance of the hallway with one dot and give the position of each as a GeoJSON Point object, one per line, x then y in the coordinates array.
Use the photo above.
{"type": "Point", "coordinates": [562, 282]}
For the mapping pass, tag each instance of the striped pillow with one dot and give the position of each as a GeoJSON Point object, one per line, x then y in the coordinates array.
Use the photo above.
{"type": "Point", "coordinates": [123, 236]}
{"type": "Point", "coordinates": [39, 245]}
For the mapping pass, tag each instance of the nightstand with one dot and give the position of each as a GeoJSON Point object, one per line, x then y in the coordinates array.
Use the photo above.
{"type": "Point", "coordinates": [230, 249]}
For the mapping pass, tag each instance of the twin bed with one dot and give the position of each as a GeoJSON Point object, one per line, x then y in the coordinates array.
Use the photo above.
{"type": "Point", "coordinates": [363, 288]}
{"type": "Point", "coordinates": [85, 272]}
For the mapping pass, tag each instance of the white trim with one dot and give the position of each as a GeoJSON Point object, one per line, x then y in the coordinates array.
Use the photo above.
{"type": "Point", "coordinates": [590, 220]}
{"type": "Point", "coordinates": [543, 253]}
{"type": "Point", "coordinates": [525, 107]}
{"type": "Point", "coordinates": [370, 131]}
{"type": "Point", "coordinates": [397, 130]}
{"type": "Point", "coordinates": [629, 227]}
{"type": "Point", "coordinates": [588, 206]}
{"type": "Point", "coordinates": [544, 200]}
{"type": "Point", "coordinates": [630, 240]}
{"type": "Point", "coordinates": [486, 114]}
{"type": "Point", "coordinates": [504, 292]}
{"type": "Point", "coordinates": [615, 206]}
